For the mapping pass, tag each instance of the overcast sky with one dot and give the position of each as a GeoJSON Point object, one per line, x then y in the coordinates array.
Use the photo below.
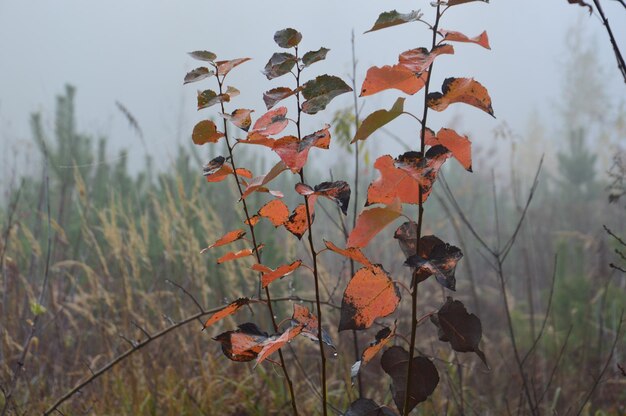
{"type": "Point", "coordinates": [134, 52]}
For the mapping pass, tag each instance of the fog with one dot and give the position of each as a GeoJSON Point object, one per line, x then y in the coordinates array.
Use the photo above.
{"type": "Point", "coordinates": [135, 53]}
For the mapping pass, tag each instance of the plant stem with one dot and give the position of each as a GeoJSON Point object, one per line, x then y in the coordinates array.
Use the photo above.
{"type": "Point", "coordinates": [313, 254]}
{"type": "Point", "coordinates": [256, 252]}
{"type": "Point", "coordinates": [420, 219]}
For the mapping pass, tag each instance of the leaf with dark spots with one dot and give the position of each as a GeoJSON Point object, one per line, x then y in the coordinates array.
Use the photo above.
{"type": "Point", "coordinates": [233, 255]}
{"type": "Point", "coordinates": [338, 192]}
{"type": "Point", "coordinates": [582, 4]}
{"type": "Point", "coordinates": [198, 74]}
{"type": "Point", "coordinates": [227, 311]}
{"type": "Point", "coordinates": [295, 152]}
{"type": "Point", "coordinates": [392, 183]}
{"type": "Point", "coordinates": [423, 378]}
{"type": "Point", "coordinates": [279, 65]}
{"type": "Point", "coordinates": [302, 316]}
{"type": "Point", "coordinates": [240, 118]}
{"type": "Point", "coordinates": [452, 36]}
{"type": "Point", "coordinates": [368, 407]}
{"type": "Point", "coordinates": [440, 260]}
{"type": "Point", "coordinates": [207, 98]}
{"type": "Point", "coordinates": [203, 56]}
{"type": "Point", "coordinates": [461, 90]}
{"type": "Point", "coordinates": [273, 96]}
{"type": "Point", "coordinates": [353, 253]}
{"type": "Point", "coordinates": [320, 91]}
{"type": "Point", "coordinates": [418, 60]}
{"type": "Point", "coordinates": [227, 238]}
{"type": "Point", "coordinates": [461, 329]}
{"type": "Point", "coordinates": [224, 67]}
{"type": "Point", "coordinates": [459, 146]}
{"type": "Point", "coordinates": [243, 344]}
{"type": "Point", "coordinates": [370, 294]}
{"type": "Point", "coordinates": [397, 77]}
{"type": "Point", "coordinates": [205, 132]}
{"type": "Point", "coordinates": [378, 119]}
{"type": "Point", "coordinates": [213, 165]}
{"type": "Point", "coordinates": [406, 234]}
{"type": "Point", "coordinates": [287, 38]}
{"type": "Point", "coordinates": [276, 211]}
{"type": "Point", "coordinates": [311, 57]}
{"type": "Point", "coordinates": [276, 342]}
{"type": "Point", "coordinates": [422, 169]}
{"type": "Point", "coordinates": [372, 221]}
{"type": "Point", "coordinates": [382, 338]}
{"type": "Point", "coordinates": [269, 275]}
{"type": "Point", "coordinates": [393, 18]}
{"type": "Point", "coordinates": [257, 183]}
{"type": "Point", "coordinates": [272, 122]}
{"type": "Point", "coordinates": [216, 170]}
{"type": "Point", "coordinates": [297, 223]}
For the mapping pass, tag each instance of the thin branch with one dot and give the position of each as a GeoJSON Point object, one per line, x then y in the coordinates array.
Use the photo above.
{"type": "Point", "coordinates": [621, 64]}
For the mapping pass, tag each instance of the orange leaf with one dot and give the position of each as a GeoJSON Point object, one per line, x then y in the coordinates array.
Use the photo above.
{"type": "Point", "coordinates": [227, 239]}
{"type": "Point", "coordinates": [272, 122]}
{"type": "Point", "coordinates": [297, 223]}
{"type": "Point", "coordinates": [273, 344]}
{"type": "Point", "coordinates": [449, 35]}
{"type": "Point", "coordinates": [302, 316]}
{"type": "Point", "coordinates": [370, 294]}
{"type": "Point", "coordinates": [393, 183]}
{"type": "Point", "coordinates": [280, 272]}
{"type": "Point", "coordinates": [460, 146]}
{"type": "Point", "coordinates": [276, 211]}
{"type": "Point", "coordinates": [244, 172]}
{"type": "Point", "coordinates": [353, 253]}
{"type": "Point", "coordinates": [258, 182]}
{"type": "Point", "coordinates": [237, 254]}
{"type": "Point", "coordinates": [205, 132]}
{"type": "Point", "coordinates": [224, 67]}
{"type": "Point", "coordinates": [382, 338]}
{"type": "Point", "coordinates": [338, 192]}
{"type": "Point", "coordinates": [295, 152]}
{"type": "Point", "coordinates": [228, 310]}
{"type": "Point", "coordinates": [372, 221]}
{"type": "Point", "coordinates": [243, 344]}
{"type": "Point", "coordinates": [240, 118]}
{"type": "Point", "coordinates": [397, 76]}
{"type": "Point", "coordinates": [261, 268]}
{"type": "Point", "coordinates": [422, 169]}
{"type": "Point", "coordinates": [418, 60]}
{"type": "Point", "coordinates": [216, 170]}
{"type": "Point", "coordinates": [461, 90]}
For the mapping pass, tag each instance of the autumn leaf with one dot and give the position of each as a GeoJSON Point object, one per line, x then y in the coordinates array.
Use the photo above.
{"type": "Point", "coordinates": [279, 64]}
{"type": "Point", "coordinates": [206, 132]}
{"type": "Point", "coordinates": [371, 221]}
{"type": "Point", "coordinates": [226, 239]}
{"type": "Point", "coordinates": [418, 60]}
{"type": "Point", "coordinates": [233, 255]}
{"type": "Point", "coordinates": [224, 67]}
{"type": "Point", "coordinates": [311, 57]}
{"type": "Point", "coordinates": [207, 98]}
{"type": "Point", "coordinates": [268, 275]}
{"type": "Point", "coordinates": [439, 259]}
{"type": "Point", "coordinates": [297, 223]}
{"type": "Point", "coordinates": [240, 118]}
{"type": "Point", "coordinates": [370, 294]}
{"type": "Point", "coordinates": [217, 170]}
{"type": "Point", "coordinates": [274, 343]}
{"type": "Point", "coordinates": [461, 90]}
{"type": "Point", "coordinates": [320, 91]}
{"type": "Point", "coordinates": [378, 119]}
{"type": "Point", "coordinates": [368, 407]}
{"type": "Point", "coordinates": [287, 38]}
{"type": "Point", "coordinates": [302, 316]}
{"type": "Point", "coordinates": [461, 329]}
{"type": "Point", "coordinates": [452, 36]}
{"type": "Point", "coordinates": [582, 4]}
{"type": "Point", "coordinates": [353, 253]}
{"type": "Point", "coordinates": [276, 211]}
{"type": "Point", "coordinates": [459, 146]}
{"type": "Point", "coordinates": [272, 122]}
{"type": "Point", "coordinates": [382, 338]}
{"type": "Point", "coordinates": [273, 96]}
{"type": "Point", "coordinates": [397, 77]}
{"type": "Point", "coordinates": [423, 169]}
{"type": "Point", "coordinates": [243, 344]}
{"type": "Point", "coordinates": [257, 183]}
{"type": "Point", "coordinates": [294, 152]}
{"type": "Point", "coordinates": [227, 311]}
{"type": "Point", "coordinates": [457, 2]}
{"type": "Point", "coordinates": [198, 74]}
{"type": "Point", "coordinates": [338, 192]}
{"type": "Point", "coordinates": [203, 56]}
{"type": "Point", "coordinates": [424, 377]}
{"type": "Point", "coordinates": [392, 183]}
{"type": "Point", "coordinates": [393, 18]}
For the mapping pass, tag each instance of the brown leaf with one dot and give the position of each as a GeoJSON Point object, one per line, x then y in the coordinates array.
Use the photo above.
{"type": "Point", "coordinates": [240, 118]}
{"type": "Point", "coordinates": [582, 4]}
{"type": "Point", "coordinates": [203, 56]}
{"type": "Point", "coordinates": [418, 60]}
{"type": "Point", "coordinates": [393, 18]}
{"type": "Point", "coordinates": [461, 90]}
{"type": "Point", "coordinates": [338, 192]}
{"type": "Point", "coordinates": [436, 258]}
{"type": "Point", "coordinates": [378, 119]}
{"type": "Point", "coordinates": [397, 77]}
{"type": "Point", "coordinates": [371, 221]}
{"type": "Point", "coordinates": [280, 63]}
{"type": "Point", "coordinates": [309, 322]}
{"type": "Point", "coordinates": [319, 92]}
{"type": "Point", "coordinates": [353, 253]}
{"type": "Point", "coordinates": [287, 38]}
{"type": "Point", "coordinates": [207, 98]}
{"type": "Point", "coordinates": [272, 122]}
{"type": "Point", "coordinates": [227, 311]}
{"type": "Point", "coordinates": [243, 344]}
{"type": "Point", "coordinates": [452, 36]}
{"type": "Point", "coordinates": [370, 294]}
{"type": "Point", "coordinates": [224, 67]}
{"type": "Point", "coordinates": [311, 57]}
{"type": "Point", "coordinates": [257, 183]}
{"type": "Point", "coordinates": [368, 407]}
{"type": "Point", "coordinates": [460, 146]}
{"type": "Point", "coordinates": [273, 96]}
{"type": "Point", "coordinates": [422, 169]}
{"type": "Point", "coordinates": [198, 74]}
{"type": "Point", "coordinates": [457, 2]}
{"type": "Point", "coordinates": [206, 132]}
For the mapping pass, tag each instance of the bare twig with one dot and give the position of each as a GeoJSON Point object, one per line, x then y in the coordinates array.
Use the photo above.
{"type": "Point", "coordinates": [621, 64]}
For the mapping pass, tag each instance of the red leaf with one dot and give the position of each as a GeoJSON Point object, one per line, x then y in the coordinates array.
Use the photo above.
{"type": "Point", "coordinates": [370, 294]}
{"type": "Point", "coordinates": [460, 146]}
{"type": "Point", "coordinates": [243, 344]}
{"type": "Point", "coordinates": [397, 76]}
{"type": "Point", "coordinates": [391, 184]}
{"type": "Point", "coordinates": [270, 275]}
{"type": "Point", "coordinates": [237, 254]}
{"type": "Point", "coordinates": [240, 118]}
{"type": "Point", "coordinates": [228, 310]}
{"type": "Point", "coordinates": [273, 344]}
{"type": "Point", "coordinates": [418, 60]}
{"type": "Point", "coordinates": [461, 90]}
{"type": "Point", "coordinates": [227, 239]}
{"type": "Point", "coordinates": [257, 183]}
{"type": "Point", "coordinates": [372, 221]}
{"type": "Point", "coordinates": [272, 122]}
{"type": "Point", "coordinates": [353, 253]}
{"type": "Point", "coordinates": [452, 36]}
{"type": "Point", "coordinates": [309, 322]}
{"type": "Point", "coordinates": [206, 132]}
{"type": "Point", "coordinates": [276, 211]}
{"type": "Point", "coordinates": [224, 67]}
